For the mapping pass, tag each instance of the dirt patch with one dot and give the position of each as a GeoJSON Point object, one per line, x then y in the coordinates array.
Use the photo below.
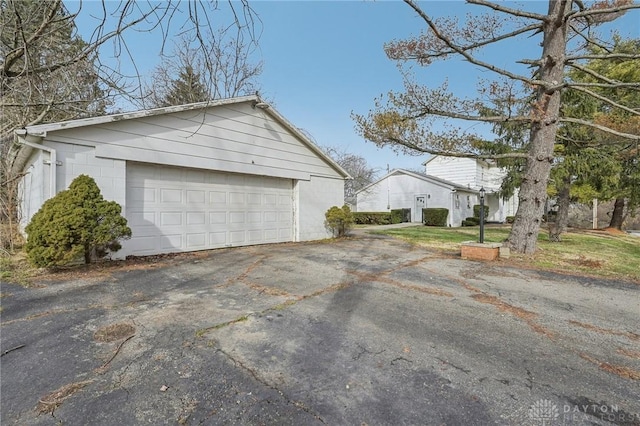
{"type": "Point", "coordinates": [49, 403]}
{"type": "Point", "coordinates": [586, 262]}
{"type": "Point", "coordinates": [614, 231]}
{"type": "Point", "coordinates": [630, 354]}
{"type": "Point", "coordinates": [620, 370]}
{"type": "Point", "coordinates": [627, 334]}
{"type": "Point", "coordinates": [379, 277]}
{"type": "Point", "coordinates": [505, 307]}
{"type": "Point", "coordinates": [104, 268]}
{"type": "Point", "coordinates": [114, 332]}
{"type": "Point", "coordinates": [528, 316]}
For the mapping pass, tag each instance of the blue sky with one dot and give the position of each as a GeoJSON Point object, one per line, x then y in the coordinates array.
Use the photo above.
{"type": "Point", "coordinates": [325, 59]}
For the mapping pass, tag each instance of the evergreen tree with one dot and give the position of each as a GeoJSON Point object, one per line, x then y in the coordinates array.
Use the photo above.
{"type": "Point", "coordinates": [188, 88]}
{"type": "Point", "coordinates": [75, 224]}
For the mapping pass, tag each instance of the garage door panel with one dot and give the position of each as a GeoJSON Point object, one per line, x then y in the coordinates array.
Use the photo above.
{"type": "Point", "coordinates": [270, 216]}
{"type": "Point", "coordinates": [217, 218]}
{"type": "Point", "coordinates": [254, 217]}
{"type": "Point", "coordinates": [237, 198]}
{"type": "Point", "coordinates": [218, 198]}
{"type": "Point", "coordinates": [270, 199]}
{"type": "Point", "coordinates": [139, 219]}
{"type": "Point", "coordinates": [179, 209]}
{"type": "Point", "coordinates": [284, 234]}
{"type": "Point", "coordinates": [171, 241]}
{"type": "Point", "coordinates": [218, 239]}
{"type": "Point", "coordinates": [197, 241]}
{"type": "Point", "coordinates": [196, 197]}
{"type": "Point", "coordinates": [196, 218]}
{"type": "Point", "coordinates": [170, 218]}
{"type": "Point", "coordinates": [168, 195]}
{"type": "Point", "coordinates": [255, 236]}
{"type": "Point", "coordinates": [236, 217]}
{"type": "Point", "coordinates": [147, 195]}
{"type": "Point", "coordinates": [271, 234]}
{"type": "Point", "coordinates": [236, 237]}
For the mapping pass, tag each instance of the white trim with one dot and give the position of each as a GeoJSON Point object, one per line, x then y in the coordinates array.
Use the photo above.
{"type": "Point", "coordinates": [22, 139]}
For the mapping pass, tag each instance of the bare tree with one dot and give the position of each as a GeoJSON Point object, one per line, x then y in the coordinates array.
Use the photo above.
{"type": "Point", "coordinates": [361, 172]}
{"type": "Point", "coordinates": [48, 72]}
{"type": "Point", "coordinates": [222, 67]}
{"type": "Point", "coordinates": [405, 119]}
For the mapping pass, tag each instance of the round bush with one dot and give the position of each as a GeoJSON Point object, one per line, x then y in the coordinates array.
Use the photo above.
{"type": "Point", "coordinates": [75, 224]}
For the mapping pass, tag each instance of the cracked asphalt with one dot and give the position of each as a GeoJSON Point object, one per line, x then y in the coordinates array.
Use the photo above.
{"type": "Point", "coordinates": [364, 331]}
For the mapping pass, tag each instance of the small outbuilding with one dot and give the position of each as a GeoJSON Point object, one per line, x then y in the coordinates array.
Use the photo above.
{"type": "Point", "coordinates": [404, 189]}
{"type": "Point", "coordinates": [223, 173]}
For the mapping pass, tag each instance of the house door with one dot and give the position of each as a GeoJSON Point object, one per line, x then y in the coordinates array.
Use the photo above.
{"type": "Point", "coordinates": [421, 203]}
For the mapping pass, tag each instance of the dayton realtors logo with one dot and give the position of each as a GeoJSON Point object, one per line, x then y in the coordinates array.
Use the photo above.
{"type": "Point", "coordinates": [546, 413]}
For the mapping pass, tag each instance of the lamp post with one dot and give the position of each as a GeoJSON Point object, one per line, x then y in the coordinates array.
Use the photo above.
{"type": "Point", "coordinates": [482, 191]}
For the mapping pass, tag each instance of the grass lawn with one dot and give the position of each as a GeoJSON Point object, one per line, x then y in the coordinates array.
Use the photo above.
{"type": "Point", "coordinates": [587, 252]}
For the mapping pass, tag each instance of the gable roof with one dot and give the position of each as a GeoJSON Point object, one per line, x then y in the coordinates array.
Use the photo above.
{"type": "Point", "coordinates": [421, 176]}
{"type": "Point", "coordinates": [41, 130]}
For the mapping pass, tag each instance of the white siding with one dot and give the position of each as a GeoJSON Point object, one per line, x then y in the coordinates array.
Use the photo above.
{"type": "Point", "coordinates": [234, 138]}
{"type": "Point", "coordinates": [462, 171]}
{"type": "Point", "coordinates": [462, 207]}
{"type": "Point", "coordinates": [491, 177]}
{"type": "Point", "coordinates": [313, 199]}
{"type": "Point", "coordinates": [81, 159]}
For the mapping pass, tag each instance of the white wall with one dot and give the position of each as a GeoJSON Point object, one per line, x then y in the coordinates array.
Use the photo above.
{"type": "Point", "coordinates": [312, 199]}
{"type": "Point", "coordinates": [400, 191]}
{"type": "Point", "coordinates": [462, 171]}
{"type": "Point", "coordinates": [110, 175]}
{"type": "Point", "coordinates": [462, 207]}
{"type": "Point", "coordinates": [32, 187]}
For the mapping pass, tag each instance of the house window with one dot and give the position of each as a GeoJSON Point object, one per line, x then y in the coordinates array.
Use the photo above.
{"type": "Point", "coordinates": [457, 201]}
{"type": "Point", "coordinates": [468, 201]}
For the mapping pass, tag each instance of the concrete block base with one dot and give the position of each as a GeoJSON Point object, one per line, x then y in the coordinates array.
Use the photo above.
{"type": "Point", "coordinates": [480, 251]}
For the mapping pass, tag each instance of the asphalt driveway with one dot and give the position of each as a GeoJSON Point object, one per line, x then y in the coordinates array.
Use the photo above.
{"type": "Point", "coordinates": [368, 330]}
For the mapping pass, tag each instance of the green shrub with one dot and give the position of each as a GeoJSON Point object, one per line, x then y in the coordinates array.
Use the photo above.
{"type": "Point", "coordinates": [471, 221]}
{"type": "Point", "coordinates": [75, 224]}
{"type": "Point", "coordinates": [435, 216]}
{"type": "Point", "coordinates": [396, 216]}
{"type": "Point", "coordinates": [339, 220]}
{"type": "Point", "coordinates": [372, 218]}
{"type": "Point", "coordinates": [476, 212]}
{"type": "Point", "coordinates": [510, 219]}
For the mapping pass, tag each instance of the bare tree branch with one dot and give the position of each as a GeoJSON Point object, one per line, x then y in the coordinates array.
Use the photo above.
{"type": "Point", "coordinates": [514, 12]}
{"type": "Point", "coordinates": [615, 11]}
{"type": "Point", "coordinates": [600, 127]}
{"type": "Point", "coordinates": [459, 50]}
{"type": "Point", "coordinates": [455, 153]}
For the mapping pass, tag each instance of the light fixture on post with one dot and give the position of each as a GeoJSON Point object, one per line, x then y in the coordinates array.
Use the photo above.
{"type": "Point", "coordinates": [482, 192]}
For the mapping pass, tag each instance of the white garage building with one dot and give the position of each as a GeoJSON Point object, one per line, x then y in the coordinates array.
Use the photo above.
{"type": "Point", "coordinates": [224, 173]}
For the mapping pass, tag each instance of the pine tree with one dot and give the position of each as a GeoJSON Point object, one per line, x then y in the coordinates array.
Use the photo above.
{"type": "Point", "coordinates": [188, 88]}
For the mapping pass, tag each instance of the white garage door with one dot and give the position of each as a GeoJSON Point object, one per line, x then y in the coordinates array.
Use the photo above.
{"type": "Point", "coordinates": [172, 209]}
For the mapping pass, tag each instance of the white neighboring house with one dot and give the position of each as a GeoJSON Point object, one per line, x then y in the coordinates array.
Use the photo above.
{"type": "Point", "coordinates": [475, 174]}
{"type": "Point", "coordinates": [229, 172]}
{"type": "Point", "coordinates": [403, 189]}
